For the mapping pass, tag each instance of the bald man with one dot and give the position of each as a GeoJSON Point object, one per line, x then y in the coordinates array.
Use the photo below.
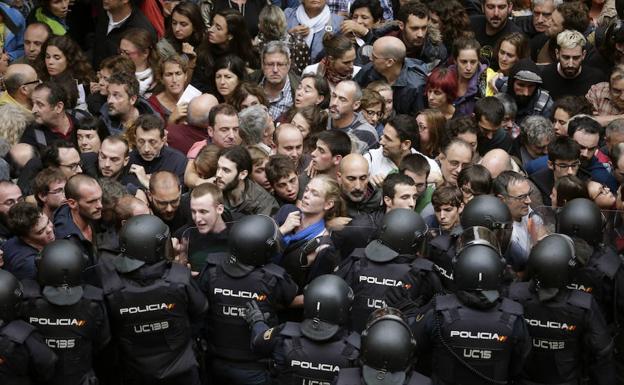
{"type": "Point", "coordinates": [166, 200]}
{"type": "Point", "coordinates": [35, 36]}
{"type": "Point", "coordinates": [289, 142]}
{"type": "Point", "coordinates": [406, 76]}
{"type": "Point", "coordinates": [20, 80]}
{"type": "Point", "coordinates": [360, 195]}
{"type": "Point", "coordinates": [181, 136]}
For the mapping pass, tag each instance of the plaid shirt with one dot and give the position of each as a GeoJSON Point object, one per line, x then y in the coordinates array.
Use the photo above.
{"type": "Point", "coordinates": [600, 99]}
{"type": "Point", "coordinates": [282, 103]}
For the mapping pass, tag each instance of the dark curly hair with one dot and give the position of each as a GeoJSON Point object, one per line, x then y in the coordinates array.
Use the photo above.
{"type": "Point", "coordinates": [193, 13]}
{"type": "Point", "coordinates": [77, 64]}
{"type": "Point", "coordinates": [454, 21]}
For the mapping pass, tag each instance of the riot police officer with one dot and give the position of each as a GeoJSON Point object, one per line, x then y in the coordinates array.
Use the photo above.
{"type": "Point", "coordinates": [474, 336]}
{"type": "Point", "coordinates": [565, 325]}
{"type": "Point", "coordinates": [70, 315]}
{"type": "Point", "coordinates": [379, 267]}
{"type": "Point", "coordinates": [151, 302]}
{"type": "Point", "coordinates": [24, 356]}
{"type": "Point", "coordinates": [230, 280]}
{"type": "Point", "coordinates": [316, 349]}
{"type": "Point", "coordinates": [387, 355]}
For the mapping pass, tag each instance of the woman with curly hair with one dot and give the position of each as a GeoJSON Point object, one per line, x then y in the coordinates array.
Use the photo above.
{"type": "Point", "coordinates": [63, 61]}
{"type": "Point", "coordinates": [248, 94]}
{"type": "Point", "coordinates": [509, 50]}
{"type": "Point", "coordinates": [451, 19]}
{"type": "Point", "coordinates": [140, 47]}
{"type": "Point", "coordinates": [184, 34]}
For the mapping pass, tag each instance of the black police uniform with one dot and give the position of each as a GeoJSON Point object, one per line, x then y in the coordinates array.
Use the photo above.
{"type": "Point", "coordinates": [493, 341]}
{"type": "Point", "coordinates": [300, 360]}
{"type": "Point", "coordinates": [420, 284]}
{"type": "Point", "coordinates": [75, 332]}
{"type": "Point", "coordinates": [151, 309]}
{"type": "Point", "coordinates": [441, 253]}
{"type": "Point", "coordinates": [227, 333]}
{"type": "Point", "coordinates": [353, 376]}
{"type": "Point", "coordinates": [565, 330]}
{"type": "Point", "coordinates": [24, 357]}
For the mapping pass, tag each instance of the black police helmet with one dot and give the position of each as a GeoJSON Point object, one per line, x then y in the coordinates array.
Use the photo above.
{"type": "Point", "coordinates": [10, 297]}
{"type": "Point", "coordinates": [550, 261]}
{"type": "Point", "coordinates": [479, 268]}
{"type": "Point", "coordinates": [402, 232]}
{"type": "Point", "coordinates": [145, 238]}
{"type": "Point", "coordinates": [253, 240]}
{"type": "Point", "coordinates": [326, 305]}
{"type": "Point", "coordinates": [490, 212]}
{"type": "Point", "coordinates": [387, 348]}
{"type": "Point", "coordinates": [59, 272]}
{"type": "Point", "coordinates": [581, 218]}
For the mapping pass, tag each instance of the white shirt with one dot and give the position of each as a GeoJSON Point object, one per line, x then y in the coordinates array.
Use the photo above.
{"type": "Point", "coordinates": [380, 164]}
{"type": "Point", "coordinates": [115, 24]}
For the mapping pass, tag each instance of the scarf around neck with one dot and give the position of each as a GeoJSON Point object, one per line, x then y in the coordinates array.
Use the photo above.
{"type": "Point", "coordinates": [315, 24]}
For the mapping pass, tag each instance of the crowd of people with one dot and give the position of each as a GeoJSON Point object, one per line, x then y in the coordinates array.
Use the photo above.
{"type": "Point", "coordinates": [309, 192]}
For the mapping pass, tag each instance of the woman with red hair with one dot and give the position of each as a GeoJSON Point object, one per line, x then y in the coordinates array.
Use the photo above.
{"type": "Point", "coordinates": [441, 90]}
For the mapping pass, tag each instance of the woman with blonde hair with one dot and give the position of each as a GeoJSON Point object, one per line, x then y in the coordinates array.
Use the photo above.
{"type": "Point", "coordinates": [139, 45]}
{"type": "Point", "coordinates": [172, 80]}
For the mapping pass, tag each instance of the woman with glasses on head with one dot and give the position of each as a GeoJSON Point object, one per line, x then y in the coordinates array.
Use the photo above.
{"type": "Point", "coordinates": [138, 45]}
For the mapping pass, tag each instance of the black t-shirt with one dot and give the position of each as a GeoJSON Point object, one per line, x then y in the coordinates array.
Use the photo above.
{"type": "Point", "coordinates": [488, 42]}
{"type": "Point", "coordinates": [201, 245]}
{"type": "Point", "coordinates": [559, 86]}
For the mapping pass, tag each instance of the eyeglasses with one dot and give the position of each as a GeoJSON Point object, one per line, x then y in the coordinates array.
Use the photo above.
{"type": "Point", "coordinates": [172, 203]}
{"type": "Point", "coordinates": [38, 81]}
{"type": "Point", "coordinates": [603, 190]}
{"type": "Point", "coordinates": [72, 166]}
{"type": "Point", "coordinates": [276, 64]}
{"type": "Point", "coordinates": [566, 166]}
{"type": "Point", "coordinates": [521, 198]}
{"type": "Point", "coordinates": [57, 191]}
{"type": "Point", "coordinates": [123, 52]}
{"type": "Point", "coordinates": [373, 113]}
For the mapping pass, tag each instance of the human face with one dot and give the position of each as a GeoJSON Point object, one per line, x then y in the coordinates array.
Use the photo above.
{"type": "Point", "coordinates": [149, 143]}
{"type": "Point", "coordinates": [174, 78]}
{"type": "Point", "coordinates": [405, 197]}
{"type": "Point", "coordinates": [90, 202]}
{"type": "Point", "coordinates": [226, 81]}
{"type": "Point", "coordinates": [88, 140]}
{"type": "Point", "coordinates": [342, 104]}
{"type": "Point", "coordinates": [601, 195]}
{"type": "Point", "coordinates": [391, 145]}
{"type": "Point", "coordinates": [507, 56]}
{"type": "Point", "coordinates": [111, 5]}
{"type": "Point", "coordinates": [536, 150]}
{"type": "Point", "coordinates": [363, 17]}
{"type": "Point", "coordinates": [112, 159]}
{"type": "Point", "coordinates": [322, 159]}
{"type": "Point", "coordinates": [103, 77]}
{"type": "Point", "coordinates": [344, 64]}
{"type": "Point", "coordinates": [354, 181]}
{"type": "Point", "coordinates": [570, 60]}
{"type": "Point", "coordinates": [313, 200]}
{"type": "Point", "coordinates": [218, 31]}
{"type": "Point", "coordinates": [9, 196]}
{"type": "Point", "coordinates": [41, 233]}
{"type": "Point", "coordinates": [275, 67]}
{"type": "Point", "coordinates": [419, 179]}
{"type": "Point", "coordinates": [373, 114]}
{"type": "Point", "coordinates": [487, 128]}
{"type": "Point", "coordinates": [524, 91]}
{"type": "Point", "coordinates": [415, 31]}
{"type": "Point", "coordinates": [616, 89]}
{"type": "Point", "coordinates": [181, 26]}
{"type": "Point", "coordinates": [496, 13]}
{"type": "Point", "coordinates": [250, 100]}
{"type": "Point", "coordinates": [447, 216]}
{"type": "Point", "coordinates": [312, 7]}
{"type": "Point", "coordinates": [542, 15]}
{"type": "Point", "coordinates": [55, 61]}
{"type": "Point", "coordinates": [34, 38]}
{"type": "Point", "coordinates": [287, 188]}
{"type": "Point", "coordinates": [44, 112]}
{"type": "Point", "coordinates": [70, 162]}
{"type": "Point", "coordinates": [306, 94]}
{"type": "Point", "coordinates": [588, 143]}
{"type": "Point", "coordinates": [138, 57]}
{"type": "Point", "coordinates": [436, 98]}
{"type": "Point", "coordinates": [299, 121]}
{"type": "Point", "coordinates": [55, 197]}
{"type": "Point", "coordinates": [59, 8]}
{"type": "Point", "coordinates": [258, 174]}
{"type": "Point", "coordinates": [564, 167]}
{"type": "Point", "coordinates": [119, 102]}
{"type": "Point", "coordinates": [423, 129]}
{"type": "Point", "coordinates": [556, 24]}
{"type": "Point", "coordinates": [380, 63]}
{"type": "Point", "coordinates": [225, 132]}
{"type": "Point", "coordinates": [290, 143]}
{"type": "Point", "coordinates": [467, 63]}
{"type": "Point", "coordinates": [470, 138]}
{"type": "Point", "coordinates": [206, 213]}
{"type": "Point", "coordinates": [619, 170]}
{"type": "Point", "coordinates": [388, 96]}
{"type": "Point", "coordinates": [228, 177]}
{"type": "Point", "coordinates": [561, 118]}
{"type": "Point", "coordinates": [518, 199]}
{"type": "Point", "coordinates": [165, 201]}
{"type": "Point", "coordinates": [456, 158]}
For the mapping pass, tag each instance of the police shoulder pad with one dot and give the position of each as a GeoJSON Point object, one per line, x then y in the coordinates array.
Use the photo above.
{"type": "Point", "coordinates": [17, 331]}
{"type": "Point", "coordinates": [93, 293]}
{"type": "Point", "coordinates": [216, 258]}
{"type": "Point", "coordinates": [423, 264]}
{"type": "Point", "coordinates": [511, 307]}
{"type": "Point", "coordinates": [580, 299]}
{"type": "Point", "coordinates": [446, 302]}
{"type": "Point", "coordinates": [274, 269]}
{"type": "Point", "coordinates": [178, 273]}
{"type": "Point", "coordinates": [291, 329]}
{"type": "Point", "coordinates": [354, 340]}
{"type": "Point", "coordinates": [519, 291]}
{"type": "Point", "coordinates": [31, 289]}
{"type": "Point", "coordinates": [609, 262]}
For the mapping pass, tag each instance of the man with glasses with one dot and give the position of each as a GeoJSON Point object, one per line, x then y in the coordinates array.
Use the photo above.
{"type": "Point", "coordinates": [607, 98]}
{"type": "Point", "coordinates": [49, 189]}
{"type": "Point", "coordinates": [456, 155]}
{"type": "Point", "coordinates": [167, 201]}
{"type": "Point", "coordinates": [19, 82]}
{"type": "Point", "coordinates": [563, 159]}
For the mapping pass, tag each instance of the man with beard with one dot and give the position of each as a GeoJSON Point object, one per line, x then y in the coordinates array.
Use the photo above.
{"type": "Point", "coordinates": [414, 21]}
{"type": "Point", "coordinates": [360, 196]}
{"type": "Point", "coordinates": [344, 102]}
{"type": "Point", "coordinates": [32, 230]}
{"type": "Point", "coordinates": [167, 201]}
{"type": "Point", "coordinates": [568, 76]}
{"type": "Point", "coordinates": [240, 193]}
{"type": "Point", "coordinates": [539, 20]}
{"type": "Point", "coordinates": [10, 194]}
{"type": "Point", "coordinates": [492, 25]}
{"type": "Point", "coordinates": [524, 86]}
{"type": "Point", "coordinates": [151, 154]}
